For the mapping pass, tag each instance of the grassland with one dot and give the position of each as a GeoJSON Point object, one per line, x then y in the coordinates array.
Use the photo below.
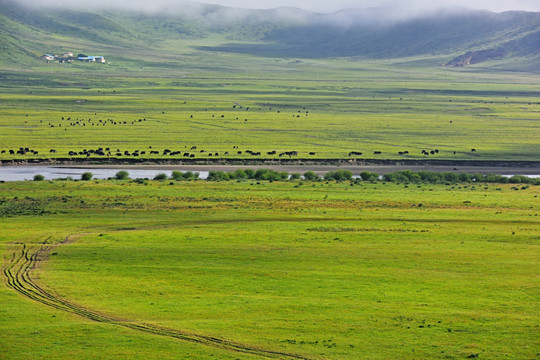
{"type": "Point", "coordinates": [254, 269]}
{"type": "Point", "coordinates": [166, 70]}
{"type": "Point", "coordinates": [228, 103]}
{"type": "Point", "coordinates": [314, 270]}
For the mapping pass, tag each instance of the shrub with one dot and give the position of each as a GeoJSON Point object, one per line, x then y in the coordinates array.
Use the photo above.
{"type": "Point", "coordinates": [369, 176]}
{"type": "Point", "coordinates": [39, 177]}
{"type": "Point", "coordinates": [519, 179]}
{"type": "Point", "coordinates": [239, 175]}
{"type": "Point", "coordinates": [339, 175]}
{"type": "Point", "coordinates": [429, 177]}
{"type": "Point", "coordinates": [87, 176]}
{"type": "Point", "coordinates": [295, 176]}
{"type": "Point", "coordinates": [270, 175]}
{"type": "Point", "coordinates": [464, 177]}
{"type": "Point", "coordinates": [121, 175]}
{"type": "Point", "coordinates": [311, 176]}
{"type": "Point", "coordinates": [177, 175]}
{"type": "Point", "coordinates": [450, 177]}
{"type": "Point", "coordinates": [161, 177]}
{"type": "Point", "coordinates": [415, 178]}
{"type": "Point", "coordinates": [283, 175]}
{"type": "Point", "coordinates": [263, 174]}
{"type": "Point", "coordinates": [217, 176]}
{"type": "Point", "coordinates": [250, 173]}
{"type": "Point", "coordinates": [188, 175]}
{"type": "Point", "coordinates": [398, 176]}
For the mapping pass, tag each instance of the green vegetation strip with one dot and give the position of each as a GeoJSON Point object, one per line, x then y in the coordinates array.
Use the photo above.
{"type": "Point", "coordinates": [402, 176]}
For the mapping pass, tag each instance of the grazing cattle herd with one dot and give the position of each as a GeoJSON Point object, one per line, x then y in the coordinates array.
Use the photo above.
{"type": "Point", "coordinates": [22, 151]}
{"type": "Point", "coordinates": [81, 122]}
{"type": "Point", "coordinates": [152, 153]}
{"type": "Point", "coordinates": [108, 152]}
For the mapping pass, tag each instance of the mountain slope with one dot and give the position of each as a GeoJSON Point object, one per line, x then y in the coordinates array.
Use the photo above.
{"type": "Point", "coordinates": [284, 32]}
{"type": "Point", "coordinates": [515, 32]}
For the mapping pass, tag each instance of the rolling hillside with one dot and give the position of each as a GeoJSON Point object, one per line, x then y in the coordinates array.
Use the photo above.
{"type": "Point", "coordinates": [27, 33]}
{"type": "Point", "coordinates": [516, 33]}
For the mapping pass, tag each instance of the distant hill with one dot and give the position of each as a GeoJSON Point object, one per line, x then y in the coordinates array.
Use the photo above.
{"type": "Point", "coordinates": [443, 33]}
{"type": "Point", "coordinates": [27, 33]}
{"type": "Point", "coordinates": [475, 57]}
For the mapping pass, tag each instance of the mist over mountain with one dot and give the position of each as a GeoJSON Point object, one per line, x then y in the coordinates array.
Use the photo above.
{"type": "Point", "coordinates": [373, 33]}
{"type": "Point", "coordinates": [322, 6]}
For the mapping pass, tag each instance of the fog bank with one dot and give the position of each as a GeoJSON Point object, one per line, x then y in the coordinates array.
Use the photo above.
{"type": "Point", "coordinates": [324, 6]}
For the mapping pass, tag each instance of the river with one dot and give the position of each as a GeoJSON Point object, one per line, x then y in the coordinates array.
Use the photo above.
{"type": "Point", "coordinates": [27, 172]}
{"type": "Point", "coordinates": [20, 173]}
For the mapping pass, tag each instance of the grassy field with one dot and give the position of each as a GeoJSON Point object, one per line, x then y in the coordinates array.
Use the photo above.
{"type": "Point", "coordinates": [231, 103]}
{"type": "Point", "coordinates": [248, 269]}
{"type": "Point", "coordinates": [257, 269]}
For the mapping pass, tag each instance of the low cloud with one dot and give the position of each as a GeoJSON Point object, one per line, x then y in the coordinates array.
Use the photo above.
{"type": "Point", "coordinates": [409, 6]}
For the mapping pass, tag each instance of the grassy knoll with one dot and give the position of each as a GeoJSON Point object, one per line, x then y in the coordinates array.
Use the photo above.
{"type": "Point", "coordinates": [319, 270]}
{"type": "Point", "coordinates": [326, 107]}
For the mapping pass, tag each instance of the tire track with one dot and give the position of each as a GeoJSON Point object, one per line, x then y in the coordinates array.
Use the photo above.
{"type": "Point", "coordinates": [17, 273]}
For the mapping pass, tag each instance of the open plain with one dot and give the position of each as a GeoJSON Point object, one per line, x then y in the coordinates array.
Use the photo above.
{"type": "Point", "coordinates": [355, 111]}
{"type": "Point", "coordinates": [407, 266]}
{"type": "Point", "coordinates": [294, 269]}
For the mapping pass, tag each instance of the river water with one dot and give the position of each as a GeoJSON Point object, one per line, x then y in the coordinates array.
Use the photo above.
{"type": "Point", "coordinates": [21, 173]}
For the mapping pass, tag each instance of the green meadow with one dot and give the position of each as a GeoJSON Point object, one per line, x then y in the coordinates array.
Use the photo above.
{"type": "Point", "coordinates": [224, 103]}
{"type": "Point", "coordinates": [265, 268]}
{"type": "Point", "coordinates": [256, 269]}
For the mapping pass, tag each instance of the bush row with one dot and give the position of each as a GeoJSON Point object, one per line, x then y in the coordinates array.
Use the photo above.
{"type": "Point", "coordinates": [261, 174]}
{"type": "Point", "coordinates": [407, 176]}
{"type": "Point", "coordinates": [404, 176]}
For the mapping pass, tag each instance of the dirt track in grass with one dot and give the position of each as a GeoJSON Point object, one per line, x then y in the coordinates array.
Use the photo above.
{"type": "Point", "coordinates": [24, 259]}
